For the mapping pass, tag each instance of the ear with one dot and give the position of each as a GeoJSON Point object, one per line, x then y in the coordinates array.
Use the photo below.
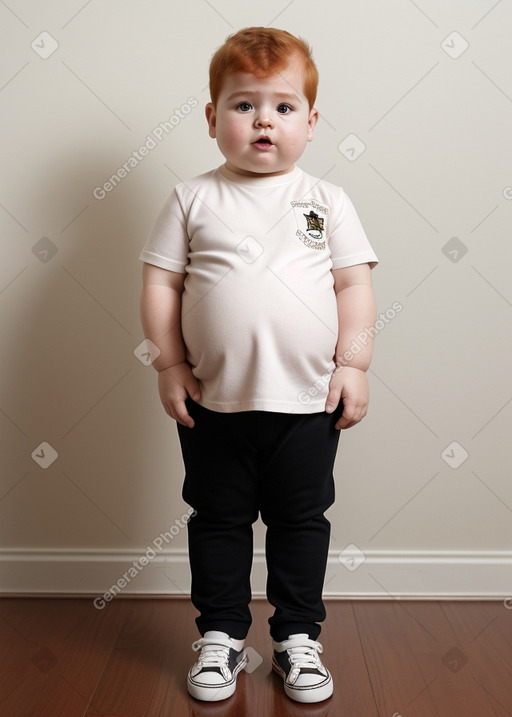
{"type": "Point", "coordinates": [211, 118]}
{"type": "Point", "coordinates": [313, 119]}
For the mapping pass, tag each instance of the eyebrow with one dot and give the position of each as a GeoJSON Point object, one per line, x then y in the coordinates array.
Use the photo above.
{"type": "Point", "coordinates": [254, 93]}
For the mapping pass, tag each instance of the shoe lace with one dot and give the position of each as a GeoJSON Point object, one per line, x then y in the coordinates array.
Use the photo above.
{"type": "Point", "coordinates": [214, 652]}
{"type": "Point", "coordinates": [303, 654]}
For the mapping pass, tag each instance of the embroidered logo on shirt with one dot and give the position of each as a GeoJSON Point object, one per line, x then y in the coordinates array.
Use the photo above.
{"type": "Point", "coordinates": [311, 218]}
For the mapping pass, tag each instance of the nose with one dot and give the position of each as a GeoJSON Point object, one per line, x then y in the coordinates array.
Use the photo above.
{"type": "Point", "coordinates": [264, 122]}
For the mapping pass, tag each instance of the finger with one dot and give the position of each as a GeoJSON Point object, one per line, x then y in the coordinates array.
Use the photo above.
{"type": "Point", "coordinates": [185, 420]}
{"type": "Point", "coordinates": [349, 410]}
{"type": "Point", "coordinates": [342, 423]}
{"type": "Point", "coordinates": [193, 390]}
{"type": "Point", "coordinates": [354, 415]}
{"type": "Point", "coordinates": [349, 414]}
{"type": "Point", "coordinates": [332, 400]}
{"type": "Point", "coordinates": [180, 414]}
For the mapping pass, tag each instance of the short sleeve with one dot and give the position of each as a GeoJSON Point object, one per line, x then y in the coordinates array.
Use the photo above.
{"type": "Point", "coordinates": [168, 243]}
{"type": "Point", "coordinates": [348, 242]}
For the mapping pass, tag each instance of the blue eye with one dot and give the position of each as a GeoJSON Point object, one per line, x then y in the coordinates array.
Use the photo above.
{"type": "Point", "coordinates": [244, 107]}
{"type": "Point", "coordinates": [284, 109]}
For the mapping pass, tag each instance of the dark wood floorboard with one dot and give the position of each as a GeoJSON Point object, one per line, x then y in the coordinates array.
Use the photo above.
{"type": "Point", "coordinates": [64, 658]}
{"type": "Point", "coordinates": [61, 648]}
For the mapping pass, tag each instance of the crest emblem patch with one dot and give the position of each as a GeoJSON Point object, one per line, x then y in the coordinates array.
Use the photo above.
{"type": "Point", "coordinates": [311, 218]}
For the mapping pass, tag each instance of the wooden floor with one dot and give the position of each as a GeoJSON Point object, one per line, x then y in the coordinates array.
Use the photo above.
{"type": "Point", "coordinates": [64, 658]}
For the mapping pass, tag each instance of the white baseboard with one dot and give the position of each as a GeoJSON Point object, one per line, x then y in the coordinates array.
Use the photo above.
{"type": "Point", "coordinates": [374, 575]}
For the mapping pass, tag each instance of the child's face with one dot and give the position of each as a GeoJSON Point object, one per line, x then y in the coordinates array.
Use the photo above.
{"type": "Point", "coordinates": [273, 108]}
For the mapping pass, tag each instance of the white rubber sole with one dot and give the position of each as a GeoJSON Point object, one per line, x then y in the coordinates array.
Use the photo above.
{"type": "Point", "coordinates": [306, 694]}
{"type": "Point", "coordinates": [211, 693]}
{"type": "Point", "coordinates": [215, 693]}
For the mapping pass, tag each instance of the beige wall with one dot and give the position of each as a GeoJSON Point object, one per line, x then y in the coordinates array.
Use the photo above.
{"type": "Point", "coordinates": [434, 117]}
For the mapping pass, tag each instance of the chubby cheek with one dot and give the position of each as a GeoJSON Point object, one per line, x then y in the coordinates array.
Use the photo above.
{"type": "Point", "coordinates": [231, 136]}
{"type": "Point", "coordinates": [296, 143]}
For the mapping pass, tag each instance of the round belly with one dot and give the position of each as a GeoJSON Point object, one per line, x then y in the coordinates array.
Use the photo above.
{"type": "Point", "coordinates": [266, 328]}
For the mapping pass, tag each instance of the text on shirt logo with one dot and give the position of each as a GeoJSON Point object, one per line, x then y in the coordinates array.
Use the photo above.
{"type": "Point", "coordinates": [311, 224]}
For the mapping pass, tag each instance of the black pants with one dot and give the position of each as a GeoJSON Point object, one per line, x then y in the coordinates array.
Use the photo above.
{"type": "Point", "coordinates": [241, 464]}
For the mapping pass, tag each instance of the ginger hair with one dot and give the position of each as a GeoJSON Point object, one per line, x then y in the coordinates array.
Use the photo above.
{"type": "Point", "coordinates": [263, 52]}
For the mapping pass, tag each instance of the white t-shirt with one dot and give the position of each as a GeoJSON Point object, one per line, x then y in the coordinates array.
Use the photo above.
{"type": "Point", "coordinates": [259, 314]}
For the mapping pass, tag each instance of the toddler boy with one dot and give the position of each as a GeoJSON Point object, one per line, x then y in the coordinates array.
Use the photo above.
{"type": "Point", "coordinates": [256, 281]}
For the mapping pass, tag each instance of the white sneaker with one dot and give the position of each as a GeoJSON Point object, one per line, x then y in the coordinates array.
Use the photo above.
{"type": "Point", "coordinates": [213, 676]}
{"type": "Point", "coordinates": [297, 661]}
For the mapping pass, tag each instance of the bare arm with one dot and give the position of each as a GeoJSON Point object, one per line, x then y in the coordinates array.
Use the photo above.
{"type": "Point", "coordinates": [356, 315]}
{"type": "Point", "coordinates": [160, 312]}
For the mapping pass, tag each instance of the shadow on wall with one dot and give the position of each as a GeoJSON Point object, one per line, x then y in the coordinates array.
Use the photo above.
{"type": "Point", "coordinates": [83, 462]}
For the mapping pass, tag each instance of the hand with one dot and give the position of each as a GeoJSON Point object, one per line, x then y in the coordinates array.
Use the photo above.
{"type": "Point", "coordinates": [175, 384]}
{"type": "Point", "coordinates": [351, 386]}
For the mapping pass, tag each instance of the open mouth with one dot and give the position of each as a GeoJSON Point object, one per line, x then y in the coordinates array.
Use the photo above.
{"type": "Point", "coordinates": [263, 142]}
